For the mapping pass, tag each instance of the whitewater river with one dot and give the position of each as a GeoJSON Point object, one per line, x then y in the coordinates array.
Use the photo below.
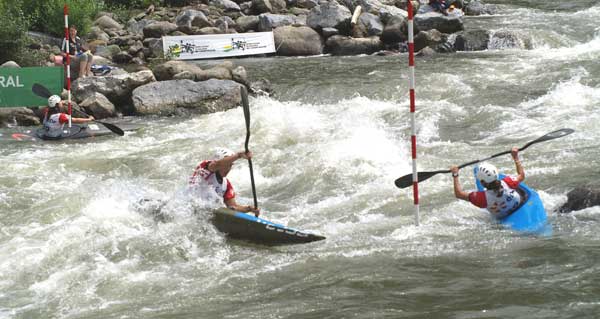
{"type": "Point", "coordinates": [328, 146]}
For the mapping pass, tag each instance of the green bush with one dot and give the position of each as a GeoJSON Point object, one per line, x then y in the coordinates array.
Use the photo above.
{"type": "Point", "coordinates": [48, 15]}
{"type": "Point", "coordinates": [13, 34]}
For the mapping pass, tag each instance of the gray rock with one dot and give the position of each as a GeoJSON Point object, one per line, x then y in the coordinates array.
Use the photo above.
{"type": "Point", "coordinates": [169, 69]}
{"type": "Point", "coordinates": [200, 97]}
{"type": "Point", "coordinates": [188, 19]}
{"type": "Point", "coordinates": [43, 38]}
{"type": "Point", "coordinates": [330, 15]}
{"type": "Point", "coordinates": [430, 38]}
{"type": "Point", "coordinates": [159, 29]}
{"type": "Point", "coordinates": [116, 87]}
{"type": "Point", "coordinates": [438, 21]}
{"type": "Point", "coordinates": [268, 22]}
{"type": "Point", "coordinates": [226, 5]}
{"type": "Point", "coordinates": [327, 32]}
{"type": "Point", "coordinates": [343, 45]}
{"type": "Point", "coordinates": [247, 23]}
{"type": "Point", "coordinates": [307, 4]}
{"type": "Point", "coordinates": [185, 75]}
{"type": "Point", "coordinates": [509, 39]}
{"type": "Point", "coordinates": [240, 75]}
{"type": "Point", "coordinates": [107, 23]}
{"type": "Point", "coordinates": [476, 7]}
{"type": "Point", "coordinates": [297, 41]}
{"type": "Point", "coordinates": [155, 46]}
{"type": "Point", "coordinates": [122, 57]}
{"type": "Point", "coordinates": [98, 106]}
{"type": "Point", "coordinates": [18, 115]}
{"type": "Point", "coordinates": [472, 40]}
{"type": "Point", "coordinates": [395, 31]}
{"type": "Point", "coordinates": [137, 27]}
{"type": "Point", "coordinates": [580, 198]}
{"type": "Point", "coordinates": [368, 25]}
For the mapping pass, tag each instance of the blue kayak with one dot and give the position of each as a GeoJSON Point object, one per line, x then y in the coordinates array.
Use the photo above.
{"type": "Point", "coordinates": [530, 216]}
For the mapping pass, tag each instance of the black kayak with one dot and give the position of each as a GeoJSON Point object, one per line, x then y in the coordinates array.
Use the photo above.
{"type": "Point", "coordinates": [247, 227]}
{"type": "Point", "coordinates": [76, 131]}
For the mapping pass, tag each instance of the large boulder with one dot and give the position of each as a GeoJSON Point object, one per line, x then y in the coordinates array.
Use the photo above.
{"type": "Point", "coordinates": [431, 38]}
{"type": "Point", "coordinates": [98, 106]}
{"type": "Point", "coordinates": [159, 29]}
{"type": "Point", "coordinates": [116, 87]}
{"type": "Point", "coordinates": [343, 45]}
{"type": "Point", "coordinates": [18, 115]}
{"type": "Point", "coordinates": [510, 39]}
{"type": "Point", "coordinates": [368, 25]}
{"type": "Point", "coordinates": [330, 15]}
{"type": "Point", "coordinates": [107, 23]}
{"type": "Point", "coordinates": [438, 21]}
{"type": "Point", "coordinates": [297, 41]}
{"type": "Point", "coordinates": [268, 21]}
{"type": "Point", "coordinates": [580, 198]}
{"type": "Point", "coordinates": [167, 70]}
{"type": "Point", "coordinates": [395, 30]}
{"type": "Point", "coordinates": [189, 19]}
{"type": "Point", "coordinates": [247, 23]}
{"type": "Point", "coordinates": [200, 97]}
{"type": "Point", "coordinates": [472, 40]}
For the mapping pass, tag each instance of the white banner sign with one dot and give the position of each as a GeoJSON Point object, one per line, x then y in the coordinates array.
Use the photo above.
{"type": "Point", "coordinates": [218, 45]}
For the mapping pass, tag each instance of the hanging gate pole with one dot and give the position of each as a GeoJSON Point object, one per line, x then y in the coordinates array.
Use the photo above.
{"type": "Point", "coordinates": [411, 77]}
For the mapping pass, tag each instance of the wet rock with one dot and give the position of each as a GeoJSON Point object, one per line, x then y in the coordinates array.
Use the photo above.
{"type": "Point", "coordinates": [297, 41]}
{"type": "Point", "coordinates": [395, 30]}
{"type": "Point", "coordinates": [268, 22]}
{"type": "Point", "coordinates": [580, 198]}
{"type": "Point", "coordinates": [343, 45]}
{"type": "Point", "coordinates": [200, 97]}
{"type": "Point", "coordinates": [430, 38]}
{"type": "Point", "coordinates": [116, 87]}
{"type": "Point", "coordinates": [472, 40]}
{"type": "Point", "coordinates": [98, 106]}
{"type": "Point", "coordinates": [330, 15]}
{"type": "Point", "coordinates": [159, 29]}
{"type": "Point", "coordinates": [438, 21]}
{"type": "Point", "coordinates": [476, 7]}
{"type": "Point", "coordinates": [18, 116]}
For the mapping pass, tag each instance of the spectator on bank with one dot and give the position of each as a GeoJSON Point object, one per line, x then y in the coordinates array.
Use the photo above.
{"type": "Point", "coordinates": [454, 11]}
{"type": "Point", "coordinates": [79, 52]}
{"type": "Point", "coordinates": [438, 6]}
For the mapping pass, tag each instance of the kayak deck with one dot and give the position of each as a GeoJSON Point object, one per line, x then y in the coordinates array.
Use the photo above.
{"type": "Point", "coordinates": [247, 227]}
{"type": "Point", "coordinates": [76, 131]}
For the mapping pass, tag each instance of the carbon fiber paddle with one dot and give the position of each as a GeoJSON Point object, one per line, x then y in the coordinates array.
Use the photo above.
{"type": "Point", "coordinates": [246, 106]}
{"type": "Point", "coordinates": [42, 91]}
{"type": "Point", "coordinates": [406, 180]}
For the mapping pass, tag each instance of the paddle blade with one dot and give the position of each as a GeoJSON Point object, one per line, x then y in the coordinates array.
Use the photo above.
{"type": "Point", "coordinates": [407, 180]}
{"type": "Point", "coordinates": [40, 91]}
{"type": "Point", "coordinates": [113, 128]}
{"type": "Point", "coordinates": [552, 135]}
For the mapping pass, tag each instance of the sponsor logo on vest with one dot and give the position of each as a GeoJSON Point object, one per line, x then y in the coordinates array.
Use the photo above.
{"type": "Point", "coordinates": [10, 81]}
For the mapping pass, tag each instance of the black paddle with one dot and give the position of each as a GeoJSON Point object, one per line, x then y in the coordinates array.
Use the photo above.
{"type": "Point", "coordinates": [407, 180]}
{"type": "Point", "coordinates": [246, 107]}
{"type": "Point", "coordinates": [42, 91]}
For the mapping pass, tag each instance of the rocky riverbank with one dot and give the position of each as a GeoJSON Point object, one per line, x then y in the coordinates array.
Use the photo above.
{"type": "Point", "coordinates": [300, 27]}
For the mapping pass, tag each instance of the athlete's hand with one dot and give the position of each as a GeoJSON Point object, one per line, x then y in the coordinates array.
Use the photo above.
{"type": "Point", "coordinates": [246, 155]}
{"type": "Point", "coordinates": [256, 211]}
{"type": "Point", "coordinates": [454, 169]}
{"type": "Point", "coordinates": [515, 153]}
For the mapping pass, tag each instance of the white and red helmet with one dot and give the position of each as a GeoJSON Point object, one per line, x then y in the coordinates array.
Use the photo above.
{"type": "Point", "coordinates": [222, 152]}
{"type": "Point", "coordinates": [53, 100]}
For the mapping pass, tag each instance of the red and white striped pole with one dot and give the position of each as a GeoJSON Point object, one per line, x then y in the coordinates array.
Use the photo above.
{"type": "Point", "coordinates": [68, 60]}
{"type": "Point", "coordinates": [411, 78]}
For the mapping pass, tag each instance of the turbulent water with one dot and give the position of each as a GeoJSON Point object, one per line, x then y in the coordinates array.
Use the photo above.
{"type": "Point", "coordinates": [328, 147]}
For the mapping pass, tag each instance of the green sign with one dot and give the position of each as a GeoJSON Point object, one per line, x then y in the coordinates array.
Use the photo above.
{"type": "Point", "coordinates": [16, 83]}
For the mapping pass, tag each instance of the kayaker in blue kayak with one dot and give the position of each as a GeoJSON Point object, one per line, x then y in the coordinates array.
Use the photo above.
{"type": "Point", "coordinates": [500, 197]}
{"type": "Point", "coordinates": [214, 173]}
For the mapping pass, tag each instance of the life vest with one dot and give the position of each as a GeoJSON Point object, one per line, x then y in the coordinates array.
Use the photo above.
{"type": "Point", "coordinates": [502, 203]}
{"type": "Point", "coordinates": [54, 124]}
{"type": "Point", "coordinates": [223, 188]}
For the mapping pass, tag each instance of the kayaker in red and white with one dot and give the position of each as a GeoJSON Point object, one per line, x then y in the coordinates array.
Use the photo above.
{"type": "Point", "coordinates": [55, 120]}
{"type": "Point", "coordinates": [500, 197]}
{"type": "Point", "coordinates": [213, 173]}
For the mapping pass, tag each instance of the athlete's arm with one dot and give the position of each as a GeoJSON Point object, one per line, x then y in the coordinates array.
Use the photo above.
{"type": "Point", "coordinates": [231, 203]}
{"type": "Point", "coordinates": [515, 155]}
{"type": "Point", "coordinates": [458, 192]}
{"type": "Point", "coordinates": [82, 120]}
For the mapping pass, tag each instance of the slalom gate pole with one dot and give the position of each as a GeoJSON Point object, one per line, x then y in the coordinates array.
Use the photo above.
{"type": "Point", "coordinates": [411, 78]}
{"type": "Point", "coordinates": [68, 60]}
